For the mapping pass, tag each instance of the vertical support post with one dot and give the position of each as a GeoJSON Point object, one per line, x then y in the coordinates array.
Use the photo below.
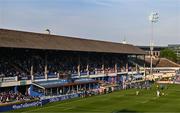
{"type": "Point", "coordinates": [136, 64]}
{"type": "Point", "coordinates": [57, 91]}
{"type": "Point", "coordinates": [31, 72]}
{"type": "Point", "coordinates": [115, 66]}
{"type": "Point", "coordinates": [69, 90]}
{"type": "Point", "coordinates": [51, 91]}
{"type": "Point", "coordinates": [87, 68]}
{"type": "Point", "coordinates": [72, 88]}
{"type": "Point", "coordinates": [45, 68]}
{"type": "Point", "coordinates": [151, 66]}
{"type": "Point", "coordinates": [44, 92]}
{"type": "Point", "coordinates": [63, 92]}
{"type": "Point", "coordinates": [144, 65]}
{"type": "Point", "coordinates": [103, 64]}
{"type": "Point", "coordinates": [126, 66]}
{"type": "Point", "coordinates": [78, 67]}
{"type": "Point", "coordinates": [77, 88]}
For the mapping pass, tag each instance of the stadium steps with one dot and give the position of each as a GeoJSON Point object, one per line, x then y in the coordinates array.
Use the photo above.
{"type": "Point", "coordinates": [166, 62]}
{"type": "Point", "coordinates": [159, 62]}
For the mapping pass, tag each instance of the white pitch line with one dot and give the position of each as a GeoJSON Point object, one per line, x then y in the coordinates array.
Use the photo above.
{"type": "Point", "coordinates": [150, 100]}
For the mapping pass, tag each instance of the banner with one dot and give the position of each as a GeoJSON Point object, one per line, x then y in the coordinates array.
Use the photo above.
{"type": "Point", "coordinates": [9, 107]}
{"type": "Point", "coordinates": [41, 102]}
{"type": "Point", "coordinates": [9, 79]}
{"type": "Point", "coordinates": [60, 98]}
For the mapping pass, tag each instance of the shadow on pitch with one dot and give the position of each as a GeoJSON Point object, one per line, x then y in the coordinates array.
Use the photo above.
{"type": "Point", "coordinates": [126, 110]}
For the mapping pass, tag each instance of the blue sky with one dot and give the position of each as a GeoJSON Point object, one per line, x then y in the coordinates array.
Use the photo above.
{"type": "Point", "coordinates": [110, 20]}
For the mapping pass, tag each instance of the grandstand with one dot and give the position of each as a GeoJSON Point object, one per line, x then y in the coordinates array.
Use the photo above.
{"type": "Point", "coordinates": [162, 67]}
{"type": "Point", "coordinates": [156, 50]}
{"type": "Point", "coordinates": [37, 64]}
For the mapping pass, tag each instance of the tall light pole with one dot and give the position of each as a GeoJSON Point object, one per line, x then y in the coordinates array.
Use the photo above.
{"type": "Point", "coordinates": [153, 18]}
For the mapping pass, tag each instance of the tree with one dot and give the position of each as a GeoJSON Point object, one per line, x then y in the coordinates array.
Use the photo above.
{"type": "Point", "coordinates": [169, 54]}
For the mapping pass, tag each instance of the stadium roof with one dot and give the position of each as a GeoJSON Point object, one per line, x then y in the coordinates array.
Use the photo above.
{"type": "Point", "coordinates": [30, 40]}
{"type": "Point", "coordinates": [60, 83]}
{"type": "Point", "coordinates": [162, 62]}
{"type": "Point", "coordinates": [155, 48]}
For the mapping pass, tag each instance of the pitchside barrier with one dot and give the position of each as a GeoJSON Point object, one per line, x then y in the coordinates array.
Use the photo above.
{"type": "Point", "coordinates": [40, 102]}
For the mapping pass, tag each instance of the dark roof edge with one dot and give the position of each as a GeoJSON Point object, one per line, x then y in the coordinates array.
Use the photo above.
{"type": "Point", "coordinates": [71, 37]}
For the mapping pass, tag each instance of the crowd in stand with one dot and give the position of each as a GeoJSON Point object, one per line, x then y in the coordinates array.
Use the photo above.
{"type": "Point", "coordinates": [7, 70]}
{"type": "Point", "coordinates": [11, 67]}
{"type": "Point", "coordinates": [62, 65]}
{"type": "Point", "coordinates": [10, 96]}
{"type": "Point", "coordinates": [58, 65]}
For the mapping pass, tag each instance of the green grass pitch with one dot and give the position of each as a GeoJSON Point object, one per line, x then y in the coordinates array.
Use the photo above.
{"type": "Point", "coordinates": [119, 101]}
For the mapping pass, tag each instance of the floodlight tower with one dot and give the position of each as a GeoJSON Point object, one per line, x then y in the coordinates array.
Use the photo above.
{"type": "Point", "coordinates": [153, 18]}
